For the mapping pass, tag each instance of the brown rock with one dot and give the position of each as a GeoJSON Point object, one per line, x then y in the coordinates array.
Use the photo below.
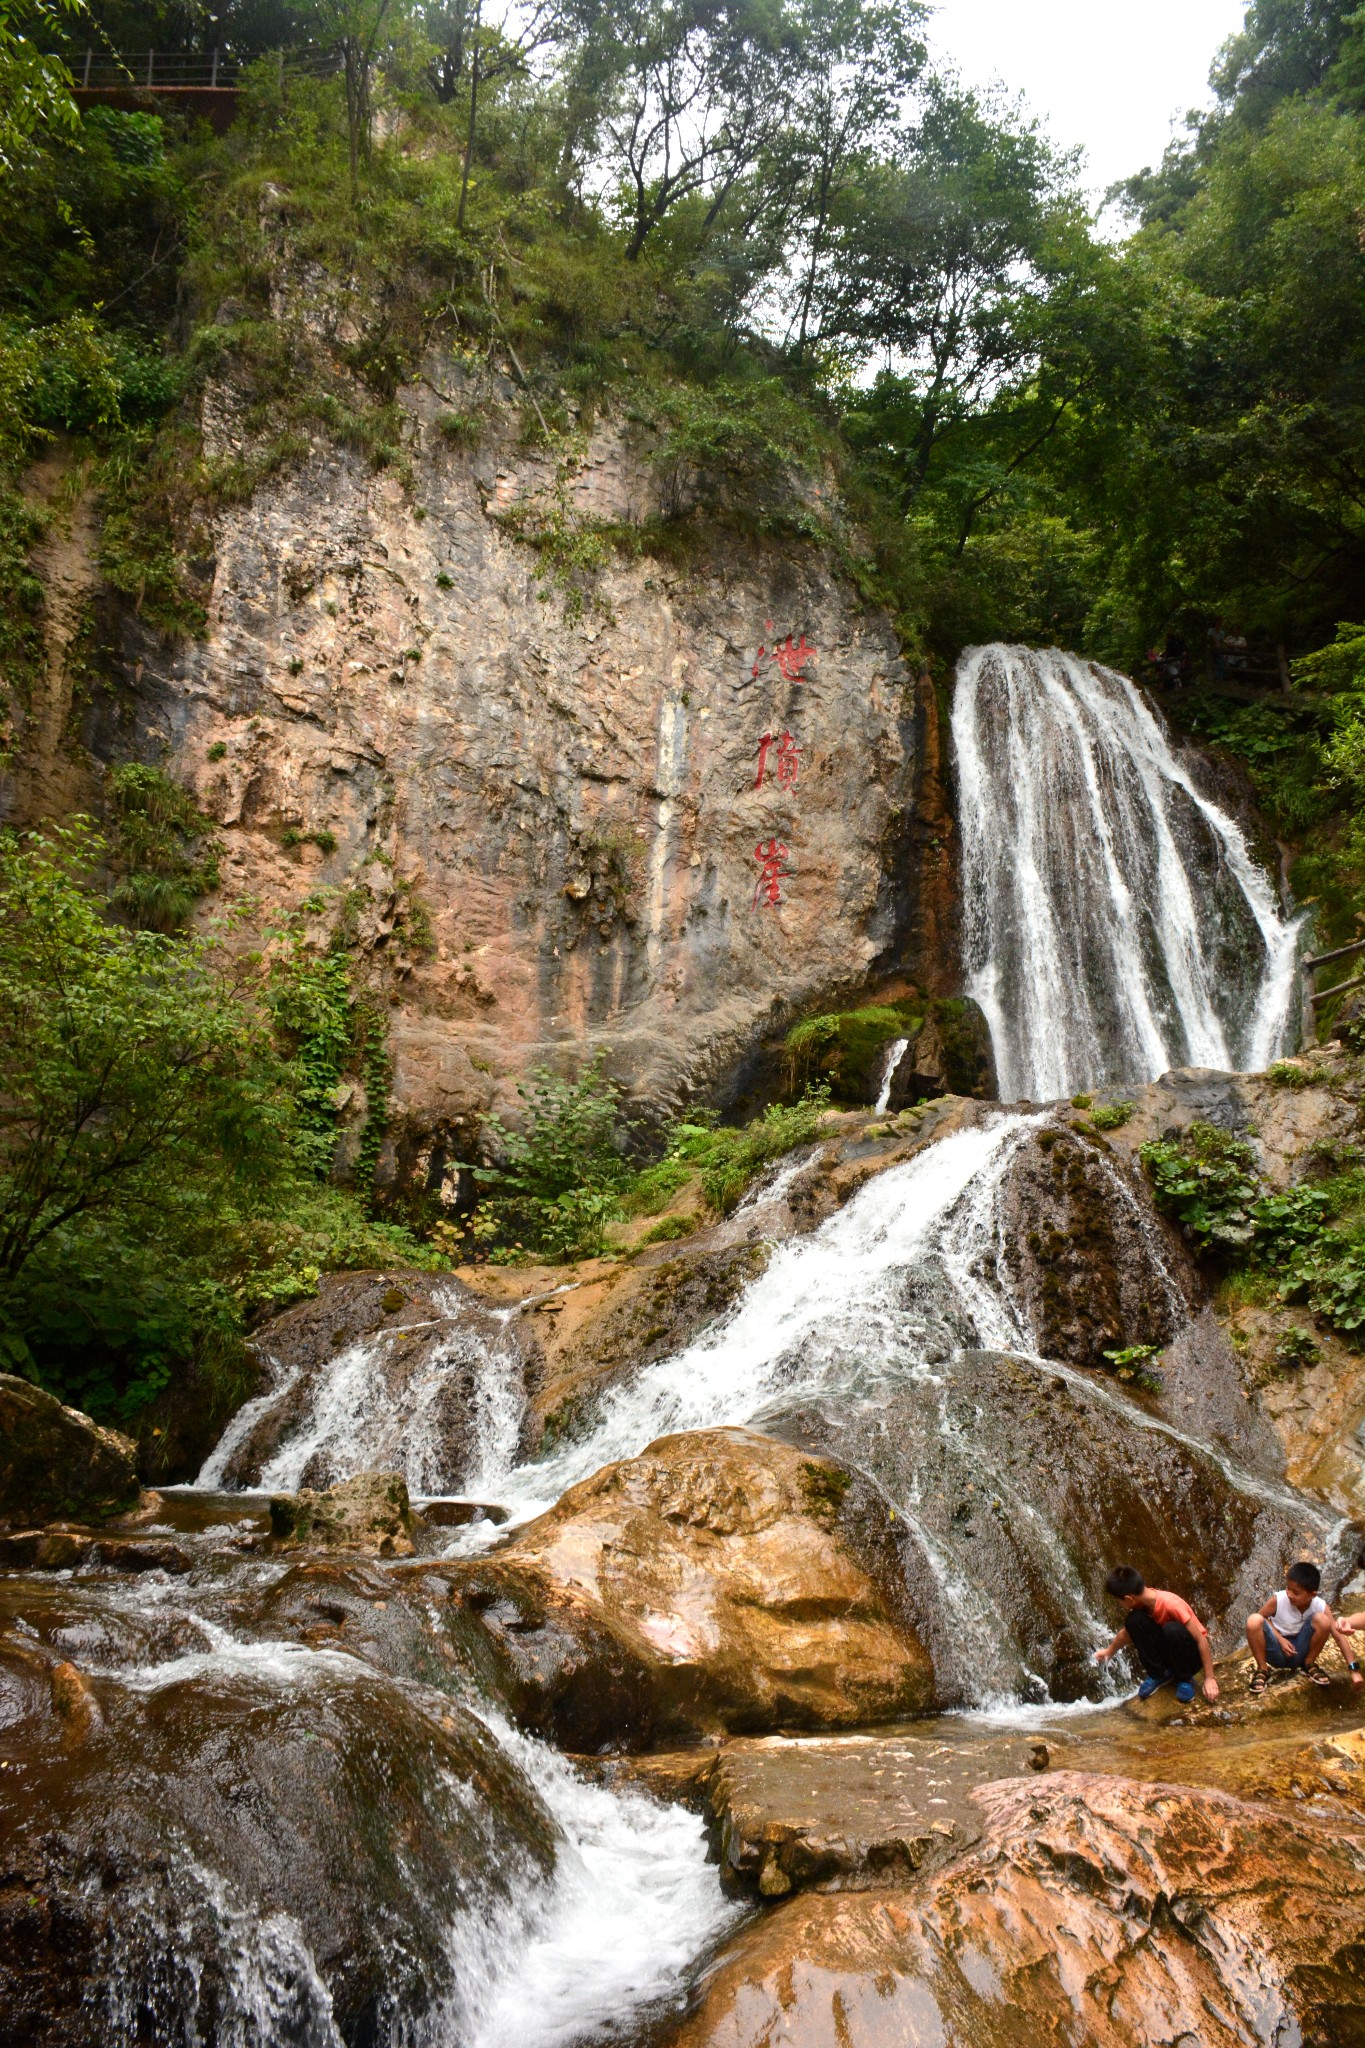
{"type": "Point", "coordinates": [73, 1697]}
{"type": "Point", "coordinates": [1093, 1910]}
{"type": "Point", "coordinates": [369, 1512]}
{"type": "Point", "coordinates": [840, 1810]}
{"type": "Point", "coordinates": [718, 1581]}
{"type": "Point", "coordinates": [55, 1462]}
{"type": "Point", "coordinates": [420, 692]}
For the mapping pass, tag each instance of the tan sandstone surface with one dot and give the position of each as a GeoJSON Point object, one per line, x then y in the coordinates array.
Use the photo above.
{"type": "Point", "coordinates": [718, 1581]}
{"type": "Point", "coordinates": [546, 800]}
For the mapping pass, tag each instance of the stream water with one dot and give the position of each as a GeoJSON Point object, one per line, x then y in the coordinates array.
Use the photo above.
{"type": "Point", "coordinates": [1116, 926]}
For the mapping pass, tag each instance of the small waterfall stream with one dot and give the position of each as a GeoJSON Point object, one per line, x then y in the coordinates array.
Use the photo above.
{"type": "Point", "coordinates": [1115, 923]}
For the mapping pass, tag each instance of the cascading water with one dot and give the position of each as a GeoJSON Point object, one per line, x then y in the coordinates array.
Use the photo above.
{"type": "Point", "coordinates": [1115, 924]}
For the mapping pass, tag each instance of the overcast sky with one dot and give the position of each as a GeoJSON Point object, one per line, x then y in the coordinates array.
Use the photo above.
{"type": "Point", "coordinates": [1108, 74]}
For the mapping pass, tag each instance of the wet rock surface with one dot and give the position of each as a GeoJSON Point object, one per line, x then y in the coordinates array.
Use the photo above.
{"type": "Point", "coordinates": [1128, 1914]}
{"type": "Point", "coordinates": [369, 1512]}
{"type": "Point", "coordinates": [1029, 1482]}
{"type": "Point", "coordinates": [720, 1580]}
{"type": "Point", "coordinates": [208, 1846]}
{"type": "Point", "coordinates": [55, 1461]}
{"type": "Point", "coordinates": [1089, 1262]}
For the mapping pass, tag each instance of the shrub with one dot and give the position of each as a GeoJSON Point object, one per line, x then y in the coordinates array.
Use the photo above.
{"type": "Point", "coordinates": [160, 849]}
{"type": "Point", "coordinates": [1289, 1074]}
{"type": "Point", "coordinates": [729, 1159]}
{"type": "Point", "coordinates": [1112, 1116]}
{"type": "Point", "coordinates": [1208, 1182]}
{"type": "Point", "coordinates": [1133, 1363]}
{"type": "Point", "coordinates": [562, 1175]}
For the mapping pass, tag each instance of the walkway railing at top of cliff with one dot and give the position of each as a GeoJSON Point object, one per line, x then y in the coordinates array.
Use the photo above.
{"type": "Point", "coordinates": [183, 70]}
{"type": "Point", "coordinates": [201, 84]}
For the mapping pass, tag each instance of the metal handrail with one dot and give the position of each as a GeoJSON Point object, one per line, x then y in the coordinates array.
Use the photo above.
{"type": "Point", "coordinates": [179, 70]}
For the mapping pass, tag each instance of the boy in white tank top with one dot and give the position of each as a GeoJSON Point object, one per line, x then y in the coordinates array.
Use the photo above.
{"type": "Point", "coordinates": [1292, 1628]}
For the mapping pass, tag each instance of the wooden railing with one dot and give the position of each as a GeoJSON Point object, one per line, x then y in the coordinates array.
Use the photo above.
{"type": "Point", "coordinates": [1315, 960]}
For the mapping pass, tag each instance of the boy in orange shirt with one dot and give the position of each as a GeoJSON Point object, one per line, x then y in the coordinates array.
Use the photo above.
{"type": "Point", "coordinates": [1165, 1633]}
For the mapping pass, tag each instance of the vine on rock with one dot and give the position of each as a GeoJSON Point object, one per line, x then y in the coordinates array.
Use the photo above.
{"type": "Point", "coordinates": [377, 1069]}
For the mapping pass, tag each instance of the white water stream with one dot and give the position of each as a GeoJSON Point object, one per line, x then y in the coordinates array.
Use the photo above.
{"type": "Point", "coordinates": [830, 1310]}
{"type": "Point", "coordinates": [1115, 923]}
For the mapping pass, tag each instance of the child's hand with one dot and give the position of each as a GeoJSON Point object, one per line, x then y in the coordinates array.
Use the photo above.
{"type": "Point", "coordinates": [1103, 1656]}
{"type": "Point", "coordinates": [1210, 1688]}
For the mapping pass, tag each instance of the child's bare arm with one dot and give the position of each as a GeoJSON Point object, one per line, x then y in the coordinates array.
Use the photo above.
{"type": "Point", "coordinates": [1201, 1636]}
{"type": "Point", "coordinates": [1120, 1642]}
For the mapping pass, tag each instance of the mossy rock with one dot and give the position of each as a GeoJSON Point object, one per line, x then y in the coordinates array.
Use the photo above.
{"type": "Point", "coordinates": [58, 1465]}
{"type": "Point", "coordinates": [847, 1048]}
{"type": "Point", "coordinates": [369, 1512]}
{"type": "Point", "coordinates": [948, 1051]}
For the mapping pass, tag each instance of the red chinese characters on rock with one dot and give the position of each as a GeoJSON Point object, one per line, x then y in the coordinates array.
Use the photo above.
{"type": "Point", "coordinates": [786, 763]}
{"type": "Point", "coordinates": [790, 655]}
{"type": "Point", "coordinates": [772, 872]}
{"type": "Point", "coordinates": [779, 759]}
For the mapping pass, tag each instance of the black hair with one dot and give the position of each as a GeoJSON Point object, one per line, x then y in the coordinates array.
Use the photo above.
{"type": "Point", "coordinates": [1124, 1583]}
{"type": "Point", "coordinates": [1306, 1575]}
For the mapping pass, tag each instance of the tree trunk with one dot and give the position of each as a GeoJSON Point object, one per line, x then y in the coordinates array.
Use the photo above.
{"type": "Point", "coordinates": [474, 71]}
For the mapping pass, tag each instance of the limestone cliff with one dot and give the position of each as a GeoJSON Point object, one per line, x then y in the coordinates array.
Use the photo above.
{"type": "Point", "coordinates": [657, 805]}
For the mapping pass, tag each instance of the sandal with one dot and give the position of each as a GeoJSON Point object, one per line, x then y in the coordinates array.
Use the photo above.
{"type": "Point", "coordinates": [1316, 1674]}
{"type": "Point", "coordinates": [1259, 1682]}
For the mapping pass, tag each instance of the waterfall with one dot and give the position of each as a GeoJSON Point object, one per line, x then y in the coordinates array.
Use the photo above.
{"type": "Point", "coordinates": [896, 1052]}
{"type": "Point", "coordinates": [1115, 923]}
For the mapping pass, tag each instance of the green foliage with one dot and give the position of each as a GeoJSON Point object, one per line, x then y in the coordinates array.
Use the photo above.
{"type": "Point", "coordinates": [1112, 1116]}
{"type": "Point", "coordinates": [142, 1099]}
{"type": "Point", "coordinates": [309, 998]}
{"type": "Point", "coordinates": [160, 849]}
{"type": "Point", "coordinates": [844, 1047]}
{"type": "Point", "coordinates": [1132, 1362]}
{"type": "Point", "coordinates": [1295, 1349]}
{"type": "Point", "coordinates": [1310, 1238]}
{"type": "Point", "coordinates": [377, 1070]}
{"type": "Point", "coordinates": [1289, 1074]}
{"type": "Point", "coordinates": [1208, 1182]}
{"type": "Point", "coordinates": [730, 1158]}
{"type": "Point", "coordinates": [561, 1176]}
{"type": "Point", "coordinates": [156, 1152]}
{"type": "Point", "coordinates": [35, 90]}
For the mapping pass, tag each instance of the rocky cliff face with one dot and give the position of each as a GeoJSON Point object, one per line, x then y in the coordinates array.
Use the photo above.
{"type": "Point", "coordinates": [568, 794]}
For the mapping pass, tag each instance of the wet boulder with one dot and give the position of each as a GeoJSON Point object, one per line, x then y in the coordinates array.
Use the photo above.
{"type": "Point", "coordinates": [1021, 1483]}
{"type": "Point", "coordinates": [1086, 1256]}
{"type": "Point", "coordinates": [370, 1512]}
{"type": "Point", "coordinates": [1123, 1913]}
{"type": "Point", "coordinates": [280, 1846]}
{"type": "Point", "coordinates": [56, 1463]}
{"type": "Point", "coordinates": [719, 1581]}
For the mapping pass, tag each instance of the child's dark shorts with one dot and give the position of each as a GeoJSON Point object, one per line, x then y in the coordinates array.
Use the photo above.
{"type": "Point", "coordinates": [1275, 1655]}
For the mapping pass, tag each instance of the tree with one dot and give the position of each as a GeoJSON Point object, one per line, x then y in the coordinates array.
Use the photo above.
{"type": "Point", "coordinates": [35, 90]}
{"type": "Point", "coordinates": [690, 95]}
{"type": "Point", "coordinates": [135, 1078]}
{"type": "Point", "coordinates": [939, 264]}
{"type": "Point", "coordinates": [858, 62]}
